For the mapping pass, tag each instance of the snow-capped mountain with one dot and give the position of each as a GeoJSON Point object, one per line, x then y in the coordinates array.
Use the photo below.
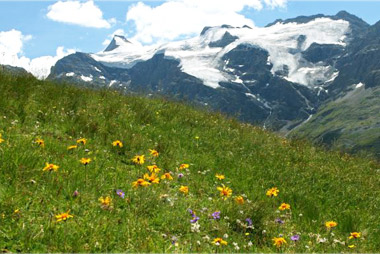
{"type": "Point", "coordinates": [276, 76]}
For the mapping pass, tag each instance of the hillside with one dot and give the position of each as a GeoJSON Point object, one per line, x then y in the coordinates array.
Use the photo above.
{"type": "Point", "coordinates": [110, 215]}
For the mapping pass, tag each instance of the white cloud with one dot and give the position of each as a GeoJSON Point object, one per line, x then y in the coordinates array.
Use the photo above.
{"type": "Point", "coordinates": [184, 18]}
{"type": "Point", "coordinates": [11, 44]}
{"type": "Point", "coordinates": [74, 12]}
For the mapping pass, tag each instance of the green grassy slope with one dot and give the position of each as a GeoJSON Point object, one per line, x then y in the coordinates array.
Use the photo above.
{"type": "Point", "coordinates": [351, 123]}
{"type": "Point", "coordinates": [319, 186]}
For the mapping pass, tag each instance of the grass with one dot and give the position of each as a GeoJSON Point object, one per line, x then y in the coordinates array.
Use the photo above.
{"type": "Point", "coordinates": [319, 186]}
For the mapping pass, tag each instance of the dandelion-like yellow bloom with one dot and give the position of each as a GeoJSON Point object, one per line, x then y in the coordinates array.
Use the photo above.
{"type": "Point", "coordinates": [139, 159]}
{"type": "Point", "coordinates": [50, 167]}
{"type": "Point", "coordinates": [140, 182]}
{"type": "Point", "coordinates": [105, 201]}
{"type": "Point", "coordinates": [273, 192]}
{"type": "Point", "coordinates": [17, 211]}
{"type": "Point", "coordinates": [219, 177]}
{"type": "Point", "coordinates": [330, 224]}
{"type": "Point", "coordinates": [219, 241]}
{"type": "Point", "coordinates": [153, 152]}
{"type": "Point", "coordinates": [154, 169]}
{"type": "Point", "coordinates": [152, 178]}
{"type": "Point", "coordinates": [354, 235]}
{"type": "Point", "coordinates": [40, 142]}
{"type": "Point", "coordinates": [72, 147]}
{"type": "Point", "coordinates": [63, 216]}
{"type": "Point", "coordinates": [351, 246]}
{"type": "Point", "coordinates": [85, 161]}
{"type": "Point", "coordinates": [1, 140]}
{"type": "Point", "coordinates": [279, 241]}
{"type": "Point", "coordinates": [184, 166]}
{"type": "Point", "coordinates": [239, 200]}
{"type": "Point", "coordinates": [225, 192]}
{"type": "Point", "coordinates": [284, 206]}
{"type": "Point", "coordinates": [117, 143]}
{"type": "Point", "coordinates": [82, 141]}
{"type": "Point", "coordinates": [184, 189]}
{"type": "Point", "coordinates": [167, 176]}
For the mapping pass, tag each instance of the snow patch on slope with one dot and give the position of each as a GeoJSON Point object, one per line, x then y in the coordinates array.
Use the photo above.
{"type": "Point", "coordinates": [199, 60]}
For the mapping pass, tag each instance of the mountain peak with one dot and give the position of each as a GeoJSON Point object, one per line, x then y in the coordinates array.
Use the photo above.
{"type": "Point", "coordinates": [117, 41]}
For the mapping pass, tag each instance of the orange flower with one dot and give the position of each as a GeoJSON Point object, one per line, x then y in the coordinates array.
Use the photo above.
{"type": "Point", "coordinates": [153, 178]}
{"type": "Point", "coordinates": [40, 142]}
{"type": "Point", "coordinates": [85, 161]}
{"type": "Point", "coordinates": [184, 189]}
{"type": "Point", "coordinates": [50, 167]}
{"type": "Point", "coordinates": [225, 192]}
{"type": "Point", "coordinates": [219, 241]}
{"type": "Point", "coordinates": [117, 143]}
{"type": "Point", "coordinates": [354, 235]}
{"type": "Point", "coordinates": [273, 192]}
{"type": "Point", "coordinates": [140, 182]}
{"type": "Point", "coordinates": [167, 176]}
{"type": "Point", "coordinates": [63, 216]}
{"type": "Point", "coordinates": [239, 200]}
{"type": "Point", "coordinates": [284, 206]}
{"type": "Point", "coordinates": [153, 168]}
{"type": "Point", "coordinates": [184, 166]}
{"type": "Point", "coordinates": [82, 141]}
{"type": "Point", "coordinates": [219, 177]}
{"type": "Point", "coordinates": [279, 241]}
{"type": "Point", "coordinates": [330, 224]}
{"type": "Point", "coordinates": [153, 152]}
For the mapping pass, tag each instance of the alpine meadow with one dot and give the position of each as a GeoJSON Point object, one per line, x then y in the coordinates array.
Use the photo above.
{"type": "Point", "coordinates": [96, 171]}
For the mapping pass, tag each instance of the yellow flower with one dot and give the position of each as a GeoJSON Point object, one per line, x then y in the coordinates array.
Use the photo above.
{"type": "Point", "coordinates": [82, 141]}
{"type": "Point", "coordinates": [17, 211]}
{"type": "Point", "coordinates": [40, 142]}
{"type": "Point", "coordinates": [330, 224]}
{"type": "Point", "coordinates": [153, 152]}
{"type": "Point", "coordinates": [284, 206]}
{"type": "Point", "coordinates": [63, 216]}
{"type": "Point", "coordinates": [167, 176]}
{"type": "Point", "coordinates": [50, 167]}
{"type": "Point", "coordinates": [117, 143]}
{"type": "Point", "coordinates": [72, 147]}
{"type": "Point", "coordinates": [279, 241]}
{"type": "Point", "coordinates": [85, 161]}
{"type": "Point", "coordinates": [154, 169]}
{"type": "Point", "coordinates": [140, 182]}
{"type": "Point", "coordinates": [105, 201]}
{"type": "Point", "coordinates": [354, 235]}
{"type": "Point", "coordinates": [225, 192]}
{"type": "Point", "coordinates": [1, 140]}
{"type": "Point", "coordinates": [273, 192]}
{"type": "Point", "coordinates": [219, 177]}
{"type": "Point", "coordinates": [184, 166]}
{"type": "Point", "coordinates": [139, 159]}
{"type": "Point", "coordinates": [153, 178]}
{"type": "Point", "coordinates": [351, 246]}
{"type": "Point", "coordinates": [239, 200]}
{"type": "Point", "coordinates": [184, 189]}
{"type": "Point", "coordinates": [219, 241]}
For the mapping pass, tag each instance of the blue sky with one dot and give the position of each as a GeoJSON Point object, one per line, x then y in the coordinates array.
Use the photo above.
{"type": "Point", "coordinates": [30, 18]}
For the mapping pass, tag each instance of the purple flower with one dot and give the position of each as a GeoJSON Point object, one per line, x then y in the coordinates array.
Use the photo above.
{"type": "Point", "coordinates": [76, 193]}
{"type": "Point", "coordinates": [295, 238]}
{"type": "Point", "coordinates": [216, 215]}
{"type": "Point", "coordinates": [120, 193]}
{"type": "Point", "coordinates": [195, 219]}
{"type": "Point", "coordinates": [279, 221]}
{"type": "Point", "coordinates": [249, 221]}
{"type": "Point", "coordinates": [180, 175]}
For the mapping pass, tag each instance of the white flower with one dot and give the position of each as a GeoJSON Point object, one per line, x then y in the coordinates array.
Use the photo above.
{"type": "Point", "coordinates": [225, 236]}
{"type": "Point", "coordinates": [250, 244]}
{"type": "Point", "coordinates": [199, 242]}
{"type": "Point", "coordinates": [195, 227]}
{"type": "Point", "coordinates": [206, 238]}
